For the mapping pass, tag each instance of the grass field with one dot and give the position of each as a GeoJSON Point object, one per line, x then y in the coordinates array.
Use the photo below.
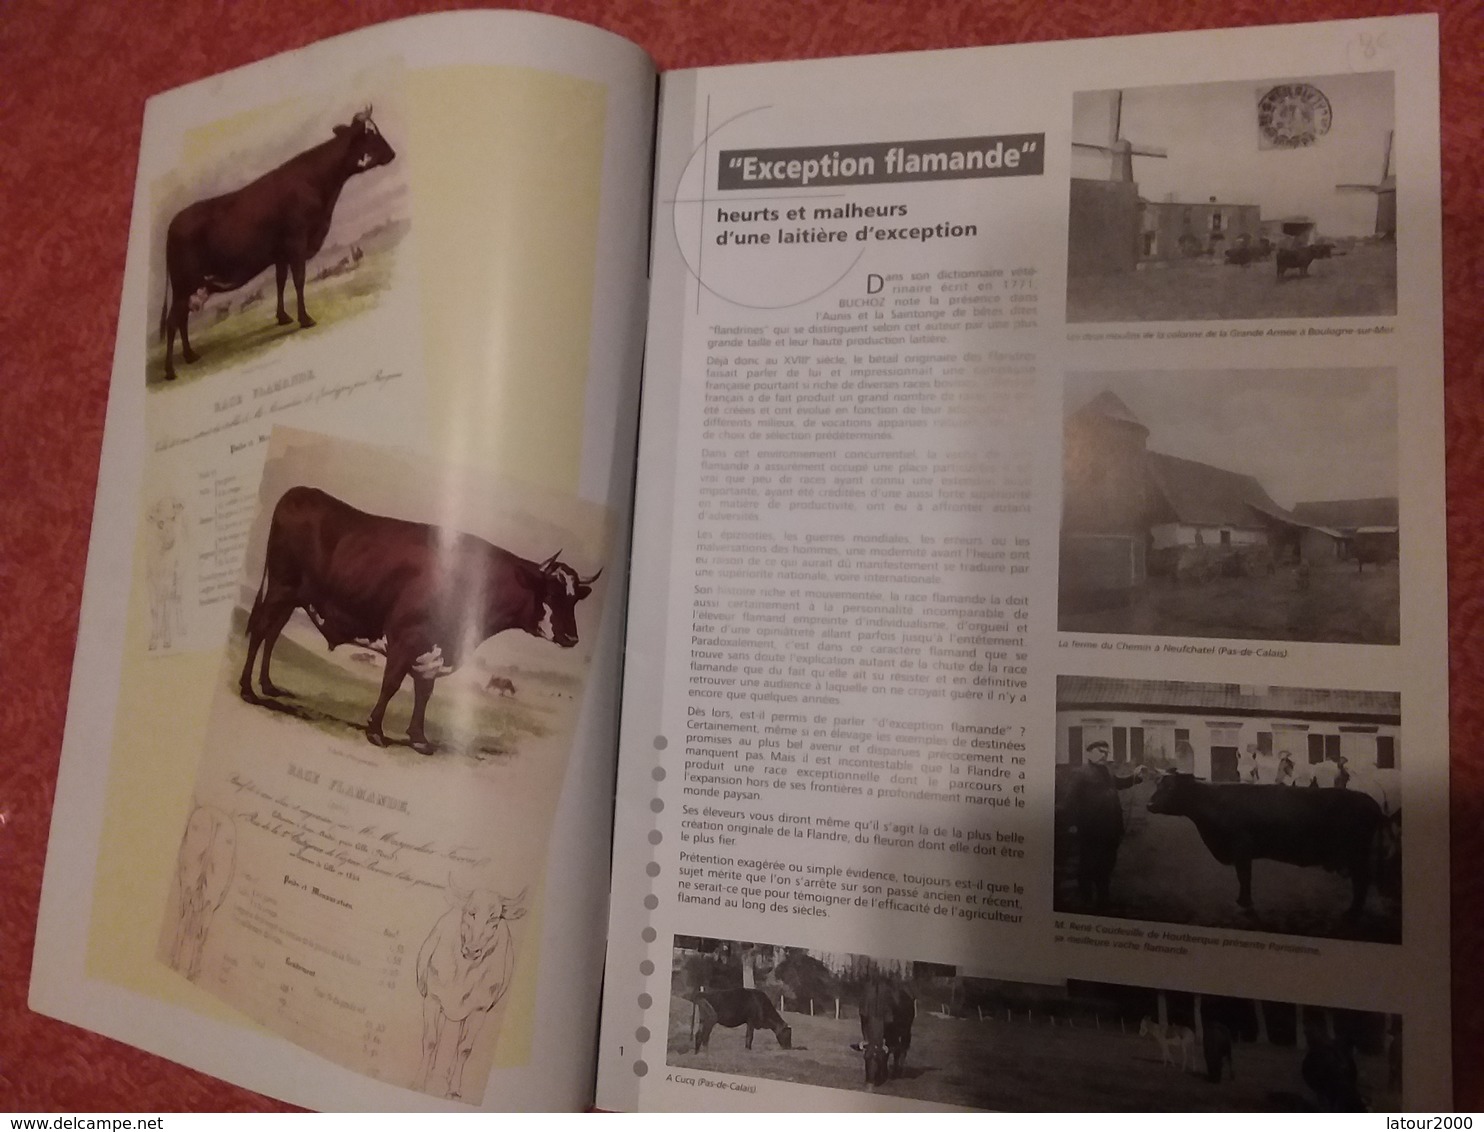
{"type": "Point", "coordinates": [1362, 281]}
{"type": "Point", "coordinates": [1165, 873]}
{"type": "Point", "coordinates": [1338, 605]}
{"type": "Point", "coordinates": [1018, 1065]}
{"type": "Point", "coordinates": [334, 693]}
{"type": "Point", "coordinates": [246, 334]}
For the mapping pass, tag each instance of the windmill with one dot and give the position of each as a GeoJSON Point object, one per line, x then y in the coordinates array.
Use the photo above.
{"type": "Point", "coordinates": [1120, 150]}
{"type": "Point", "coordinates": [1385, 190]}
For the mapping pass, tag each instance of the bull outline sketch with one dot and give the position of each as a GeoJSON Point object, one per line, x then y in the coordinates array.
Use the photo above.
{"type": "Point", "coordinates": [205, 865]}
{"type": "Point", "coordinates": [464, 969]}
{"type": "Point", "coordinates": [166, 557]}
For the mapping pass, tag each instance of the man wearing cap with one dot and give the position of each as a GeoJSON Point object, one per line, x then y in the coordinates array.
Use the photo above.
{"type": "Point", "coordinates": [1092, 806]}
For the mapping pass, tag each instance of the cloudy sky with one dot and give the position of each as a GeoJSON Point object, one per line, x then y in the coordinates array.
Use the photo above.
{"type": "Point", "coordinates": [1210, 132]}
{"type": "Point", "coordinates": [1305, 434]}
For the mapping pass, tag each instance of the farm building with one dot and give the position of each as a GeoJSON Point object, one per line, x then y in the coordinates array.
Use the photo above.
{"type": "Point", "coordinates": [1129, 513]}
{"type": "Point", "coordinates": [1205, 729]}
{"type": "Point", "coordinates": [1113, 229]}
{"type": "Point", "coordinates": [1171, 229]}
{"type": "Point", "coordinates": [1287, 231]}
{"type": "Point", "coordinates": [1367, 529]}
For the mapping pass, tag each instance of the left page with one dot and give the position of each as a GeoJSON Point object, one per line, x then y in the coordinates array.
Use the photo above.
{"type": "Point", "coordinates": [380, 326]}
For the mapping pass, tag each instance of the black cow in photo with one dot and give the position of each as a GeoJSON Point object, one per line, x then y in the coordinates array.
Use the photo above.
{"type": "Point", "coordinates": [424, 597]}
{"type": "Point", "coordinates": [1216, 1043]}
{"type": "Point", "coordinates": [279, 220]}
{"type": "Point", "coordinates": [1299, 259]}
{"type": "Point", "coordinates": [887, 1013]}
{"type": "Point", "coordinates": [1332, 828]}
{"type": "Point", "coordinates": [1329, 1069]}
{"type": "Point", "coordinates": [739, 1006]}
{"type": "Point", "coordinates": [1087, 802]}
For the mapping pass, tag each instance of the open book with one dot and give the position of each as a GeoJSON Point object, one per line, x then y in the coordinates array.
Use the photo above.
{"type": "Point", "coordinates": [978, 671]}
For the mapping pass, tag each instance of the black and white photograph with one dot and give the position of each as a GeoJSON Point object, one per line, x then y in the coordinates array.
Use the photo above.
{"type": "Point", "coordinates": [1247, 504]}
{"type": "Point", "coordinates": [1270, 198]}
{"type": "Point", "coordinates": [1236, 806]}
{"type": "Point", "coordinates": [950, 1035]}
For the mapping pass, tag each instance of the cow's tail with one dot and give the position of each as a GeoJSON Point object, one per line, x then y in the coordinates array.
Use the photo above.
{"type": "Point", "coordinates": [257, 600]}
{"type": "Point", "coordinates": [165, 308]}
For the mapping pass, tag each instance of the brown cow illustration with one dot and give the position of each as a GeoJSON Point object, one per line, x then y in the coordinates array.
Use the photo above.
{"type": "Point", "coordinates": [424, 597]}
{"type": "Point", "coordinates": [279, 221]}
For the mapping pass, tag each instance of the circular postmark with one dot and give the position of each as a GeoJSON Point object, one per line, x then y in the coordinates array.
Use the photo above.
{"type": "Point", "coordinates": [1293, 115]}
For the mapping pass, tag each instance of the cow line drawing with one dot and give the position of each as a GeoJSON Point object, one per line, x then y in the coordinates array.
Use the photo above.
{"type": "Point", "coordinates": [204, 866]}
{"type": "Point", "coordinates": [738, 1006]}
{"type": "Point", "coordinates": [424, 597]}
{"type": "Point", "coordinates": [1239, 823]}
{"type": "Point", "coordinates": [165, 571]}
{"type": "Point", "coordinates": [464, 969]}
{"type": "Point", "coordinates": [887, 1011]}
{"type": "Point", "coordinates": [279, 220]}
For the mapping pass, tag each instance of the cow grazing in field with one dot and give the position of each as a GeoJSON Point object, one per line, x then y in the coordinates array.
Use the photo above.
{"type": "Point", "coordinates": [1298, 260]}
{"type": "Point", "coordinates": [1336, 829]}
{"type": "Point", "coordinates": [501, 684]}
{"type": "Point", "coordinates": [463, 971]}
{"type": "Point", "coordinates": [1170, 1037]}
{"type": "Point", "coordinates": [739, 1006]}
{"type": "Point", "coordinates": [423, 597]}
{"type": "Point", "coordinates": [887, 1012]}
{"type": "Point", "coordinates": [1089, 804]}
{"type": "Point", "coordinates": [279, 220]}
{"type": "Point", "coordinates": [204, 868]}
{"type": "Point", "coordinates": [1216, 1043]}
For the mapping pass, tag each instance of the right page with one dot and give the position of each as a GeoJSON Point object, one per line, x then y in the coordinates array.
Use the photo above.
{"type": "Point", "coordinates": [1037, 624]}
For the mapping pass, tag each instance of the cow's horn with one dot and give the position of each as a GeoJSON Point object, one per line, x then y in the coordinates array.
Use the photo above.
{"type": "Point", "coordinates": [550, 562]}
{"type": "Point", "coordinates": [594, 578]}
